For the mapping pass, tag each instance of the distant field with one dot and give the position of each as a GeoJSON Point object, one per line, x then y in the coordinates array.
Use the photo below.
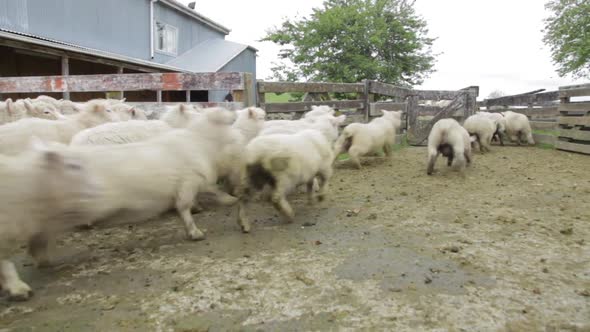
{"type": "Point", "coordinates": [274, 98]}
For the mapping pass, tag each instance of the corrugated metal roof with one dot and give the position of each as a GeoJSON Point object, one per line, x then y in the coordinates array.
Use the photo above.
{"type": "Point", "coordinates": [199, 17]}
{"type": "Point", "coordinates": [209, 56]}
{"type": "Point", "coordinates": [43, 41]}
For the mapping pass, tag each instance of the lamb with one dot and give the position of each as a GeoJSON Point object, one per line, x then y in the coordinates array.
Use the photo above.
{"type": "Point", "coordinates": [448, 138]}
{"type": "Point", "coordinates": [319, 111]}
{"type": "Point", "coordinates": [15, 136]}
{"type": "Point", "coordinates": [482, 128]}
{"type": "Point", "coordinates": [284, 161]}
{"type": "Point", "coordinates": [141, 180]}
{"type": "Point", "coordinates": [12, 111]}
{"type": "Point", "coordinates": [518, 127]}
{"type": "Point", "coordinates": [500, 122]}
{"type": "Point", "coordinates": [127, 112]}
{"type": "Point", "coordinates": [43, 192]}
{"type": "Point", "coordinates": [250, 121]}
{"type": "Point", "coordinates": [359, 139]}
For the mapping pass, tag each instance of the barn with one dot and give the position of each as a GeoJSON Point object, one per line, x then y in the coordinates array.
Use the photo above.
{"type": "Point", "coordinates": [69, 37]}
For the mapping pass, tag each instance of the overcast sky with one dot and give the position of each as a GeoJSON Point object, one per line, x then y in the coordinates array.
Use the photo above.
{"type": "Point", "coordinates": [496, 44]}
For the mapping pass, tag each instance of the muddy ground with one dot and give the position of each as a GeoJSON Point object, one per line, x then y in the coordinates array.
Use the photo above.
{"type": "Point", "coordinates": [505, 248]}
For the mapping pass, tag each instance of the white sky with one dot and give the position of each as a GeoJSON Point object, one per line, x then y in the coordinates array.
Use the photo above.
{"type": "Point", "coordinates": [496, 44]}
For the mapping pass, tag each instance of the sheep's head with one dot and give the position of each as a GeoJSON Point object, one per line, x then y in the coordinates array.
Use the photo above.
{"type": "Point", "coordinates": [42, 110]}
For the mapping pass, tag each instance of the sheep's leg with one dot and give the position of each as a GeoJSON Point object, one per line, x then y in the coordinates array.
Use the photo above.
{"type": "Point", "coordinates": [485, 143]}
{"type": "Point", "coordinates": [11, 283]}
{"type": "Point", "coordinates": [221, 197]}
{"type": "Point", "coordinates": [310, 187]}
{"type": "Point", "coordinates": [244, 194]}
{"type": "Point", "coordinates": [354, 155]}
{"type": "Point", "coordinates": [197, 208]}
{"type": "Point", "coordinates": [467, 157]}
{"type": "Point", "coordinates": [431, 161]}
{"type": "Point", "coordinates": [323, 177]}
{"type": "Point", "coordinates": [39, 248]}
{"type": "Point", "coordinates": [450, 160]}
{"type": "Point", "coordinates": [184, 203]}
{"type": "Point", "coordinates": [387, 149]}
{"type": "Point", "coordinates": [280, 202]}
{"type": "Point", "coordinates": [501, 138]}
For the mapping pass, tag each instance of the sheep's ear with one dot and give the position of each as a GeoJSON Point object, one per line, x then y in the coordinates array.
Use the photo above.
{"type": "Point", "coordinates": [339, 119]}
{"type": "Point", "coordinates": [9, 106]}
{"type": "Point", "coordinates": [132, 111]}
{"type": "Point", "coordinates": [123, 100]}
{"type": "Point", "coordinates": [29, 106]}
{"type": "Point", "coordinates": [251, 113]}
{"type": "Point", "coordinates": [182, 108]}
{"type": "Point", "coordinates": [77, 107]}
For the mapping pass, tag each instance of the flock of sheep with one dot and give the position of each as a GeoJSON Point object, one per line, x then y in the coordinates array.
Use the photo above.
{"type": "Point", "coordinates": [65, 165]}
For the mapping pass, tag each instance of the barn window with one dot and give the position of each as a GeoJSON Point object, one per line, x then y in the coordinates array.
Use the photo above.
{"type": "Point", "coordinates": [166, 38]}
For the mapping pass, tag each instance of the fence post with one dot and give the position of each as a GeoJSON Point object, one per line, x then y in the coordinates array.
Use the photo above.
{"type": "Point", "coordinates": [261, 102]}
{"type": "Point", "coordinates": [368, 98]}
{"type": "Point", "coordinates": [246, 95]}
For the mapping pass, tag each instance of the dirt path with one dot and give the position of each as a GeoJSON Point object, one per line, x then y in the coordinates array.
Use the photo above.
{"type": "Point", "coordinates": [504, 248]}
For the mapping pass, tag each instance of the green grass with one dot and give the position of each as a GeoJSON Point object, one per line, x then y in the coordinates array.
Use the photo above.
{"type": "Point", "coordinates": [545, 146]}
{"type": "Point", "coordinates": [274, 98]}
{"type": "Point", "coordinates": [546, 132]}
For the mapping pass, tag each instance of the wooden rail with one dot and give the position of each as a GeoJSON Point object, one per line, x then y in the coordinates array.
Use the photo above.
{"type": "Point", "coordinates": [574, 123]}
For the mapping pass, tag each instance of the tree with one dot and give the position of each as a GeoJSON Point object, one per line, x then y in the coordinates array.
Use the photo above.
{"type": "Point", "coordinates": [352, 40]}
{"type": "Point", "coordinates": [496, 94]}
{"type": "Point", "coordinates": [567, 33]}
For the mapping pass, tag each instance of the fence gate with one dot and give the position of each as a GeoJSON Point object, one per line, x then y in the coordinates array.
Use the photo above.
{"type": "Point", "coordinates": [425, 108]}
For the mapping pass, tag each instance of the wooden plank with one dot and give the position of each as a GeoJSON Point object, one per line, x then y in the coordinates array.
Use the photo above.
{"type": "Point", "coordinates": [154, 109]}
{"type": "Point", "coordinates": [123, 82]}
{"type": "Point", "coordinates": [543, 125]}
{"type": "Point", "coordinates": [280, 87]}
{"type": "Point", "coordinates": [574, 121]}
{"type": "Point", "coordinates": [305, 106]}
{"type": "Point", "coordinates": [522, 100]}
{"type": "Point", "coordinates": [575, 108]}
{"type": "Point", "coordinates": [573, 147]}
{"type": "Point", "coordinates": [544, 139]}
{"type": "Point", "coordinates": [438, 94]}
{"type": "Point", "coordinates": [575, 134]}
{"type": "Point", "coordinates": [375, 108]}
{"type": "Point", "coordinates": [547, 111]}
{"type": "Point", "coordinates": [388, 90]}
{"type": "Point", "coordinates": [577, 90]}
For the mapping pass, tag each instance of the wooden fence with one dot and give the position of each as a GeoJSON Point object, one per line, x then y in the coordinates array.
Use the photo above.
{"type": "Point", "coordinates": [574, 121]}
{"type": "Point", "coordinates": [240, 84]}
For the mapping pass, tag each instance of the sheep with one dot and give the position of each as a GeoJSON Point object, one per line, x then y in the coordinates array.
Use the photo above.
{"type": "Point", "coordinates": [326, 124]}
{"type": "Point", "coordinates": [250, 121]}
{"type": "Point", "coordinates": [180, 115]}
{"type": "Point", "coordinates": [14, 137]}
{"type": "Point", "coordinates": [141, 180]}
{"type": "Point", "coordinates": [319, 111]}
{"type": "Point", "coordinates": [482, 128]}
{"type": "Point", "coordinates": [359, 139]}
{"type": "Point", "coordinates": [500, 123]}
{"type": "Point", "coordinates": [448, 138]}
{"type": "Point", "coordinates": [43, 192]}
{"type": "Point", "coordinates": [121, 132]}
{"type": "Point", "coordinates": [127, 112]}
{"type": "Point", "coordinates": [518, 127]}
{"type": "Point", "coordinates": [284, 161]}
{"type": "Point", "coordinates": [23, 108]}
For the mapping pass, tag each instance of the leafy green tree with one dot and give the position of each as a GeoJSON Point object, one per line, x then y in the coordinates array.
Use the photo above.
{"type": "Point", "coordinates": [352, 40]}
{"type": "Point", "coordinates": [567, 33]}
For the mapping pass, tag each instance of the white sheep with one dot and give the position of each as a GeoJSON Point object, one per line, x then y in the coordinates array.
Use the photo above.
{"type": "Point", "coordinates": [359, 139]}
{"type": "Point", "coordinates": [23, 108]}
{"type": "Point", "coordinates": [42, 192]}
{"type": "Point", "coordinates": [121, 132]}
{"type": "Point", "coordinates": [141, 180]}
{"type": "Point", "coordinates": [518, 127]}
{"type": "Point", "coordinates": [128, 112]}
{"type": "Point", "coordinates": [250, 121]}
{"type": "Point", "coordinates": [179, 116]}
{"type": "Point", "coordinates": [284, 161]}
{"type": "Point", "coordinates": [326, 124]}
{"type": "Point", "coordinates": [482, 128]}
{"type": "Point", "coordinates": [500, 122]}
{"type": "Point", "coordinates": [319, 111]}
{"type": "Point", "coordinates": [448, 138]}
{"type": "Point", "coordinates": [15, 136]}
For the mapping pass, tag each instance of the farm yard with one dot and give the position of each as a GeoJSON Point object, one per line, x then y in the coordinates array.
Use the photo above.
{"type": "Point", "coordinates": [379, 178]}
{"type": "Point", "coordinates": [502, 248]}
